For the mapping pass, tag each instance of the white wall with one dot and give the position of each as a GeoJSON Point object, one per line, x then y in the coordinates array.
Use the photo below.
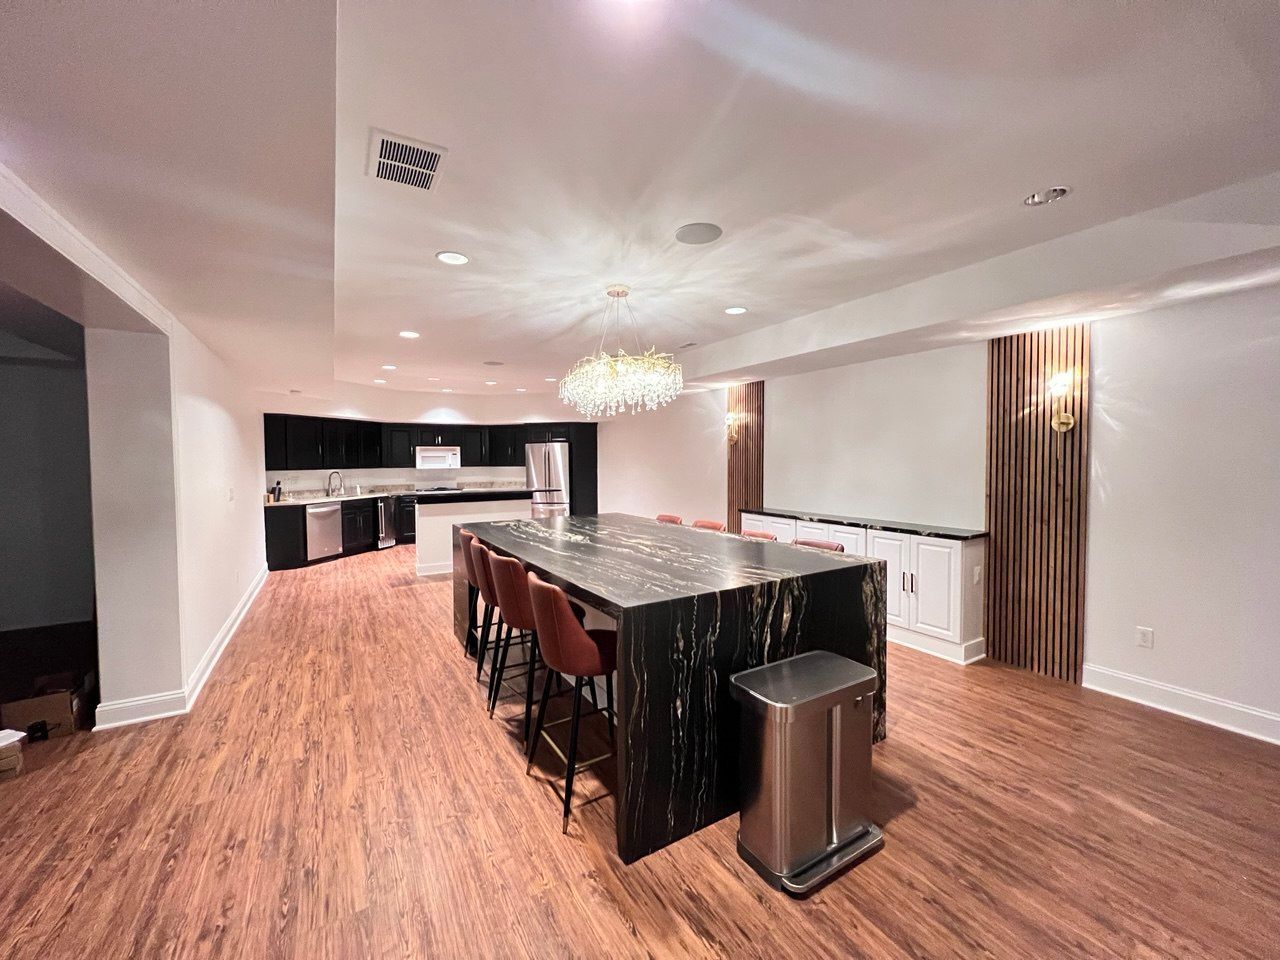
{"type": "Point", "coordinates": [135, 535]}
{"type": "Point", "coordinates": [673, 460]}
{"type": "Point", "coordinates": [897, 439]}
{"type": "Point", "coordinates": [1184, 510]}
{"type": "Point", "coordinates": [46, 538]}
{"type": "Point", "coordinates": [221, 543]}
{"type": "Point", "coordinates": [391, 406]}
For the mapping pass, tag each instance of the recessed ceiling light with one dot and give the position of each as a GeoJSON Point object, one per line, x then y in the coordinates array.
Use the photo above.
{"type": "Point", "coordinates": [696, 233]}
{"type": "Point", "coordinates": [388, 366]}
{"type": "Point", "coordinates": [734, 311]}
{"type": "Point", "coordinates": [1041, 197]}
{"type": "Point", "coordinates": [491, 383]}
{"type": "Point", "coordinates": [293, 390]}
{"type": "Point", "coordinates": [447, 390]}
{"type": "Point", "coordinates": [452, 257]}
{"type": "Point", "coordinates": [493, 363]}
{"type": "Point", "coordinates": [520, 390]}
{"type": "Point", "coordinates": [549, 379]}
{"type": "Point", "coordinates": [686, 346]}
{"type": "Point", "coordinates": [379, 381]}
{"type": "Point", "coordinates": [410, 334]}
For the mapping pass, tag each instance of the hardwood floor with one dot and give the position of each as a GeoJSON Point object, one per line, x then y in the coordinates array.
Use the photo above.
{"type": "Point", "coordinates": [339, 792]}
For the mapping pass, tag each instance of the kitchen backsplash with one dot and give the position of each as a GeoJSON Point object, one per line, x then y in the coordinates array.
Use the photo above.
{"type": "Point", "coordinates": [380, 480]}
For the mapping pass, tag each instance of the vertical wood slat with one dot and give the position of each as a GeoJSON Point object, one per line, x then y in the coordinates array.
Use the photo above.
{"type": "Point", "coordinates": [1037, 488]}
{"type": "Point", "coordinates": [746, 457]}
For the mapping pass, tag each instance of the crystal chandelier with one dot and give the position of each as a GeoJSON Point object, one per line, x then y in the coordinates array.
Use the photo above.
{"type": "Point", "coordinates": [604, 384]}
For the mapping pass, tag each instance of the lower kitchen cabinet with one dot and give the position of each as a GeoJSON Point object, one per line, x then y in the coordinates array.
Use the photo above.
{"type": "Point", "coordinates": [286, 529]}
{"type": "Point", "coordinates": [406, 519]}
{"type": "Point", "coordinates": [359, 525]}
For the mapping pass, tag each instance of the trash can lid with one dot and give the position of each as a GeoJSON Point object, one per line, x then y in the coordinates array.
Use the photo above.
{"type": "Point", "coordinates": [809, 677]}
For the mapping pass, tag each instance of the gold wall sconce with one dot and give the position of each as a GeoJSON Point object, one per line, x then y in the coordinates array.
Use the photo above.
{"type": "Point", "coordinates": [731, 427]}
{"type": "Point", "coordinates": [1059, 386]}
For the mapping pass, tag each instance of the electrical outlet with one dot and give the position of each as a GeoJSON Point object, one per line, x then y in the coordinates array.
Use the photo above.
{"type": "Point", "coordinates": [1146, 638]}
{"type": "Point", "coordinates": [977, 574]}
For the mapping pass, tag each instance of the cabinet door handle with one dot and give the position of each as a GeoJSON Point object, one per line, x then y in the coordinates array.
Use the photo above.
{"type": "Point", "coordinates": [904, 581]}
{"type": "Point", "coordinates": [913, 583]}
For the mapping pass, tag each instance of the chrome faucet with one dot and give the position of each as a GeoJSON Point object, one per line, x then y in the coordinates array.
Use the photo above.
{"type": "Point", "coordinates": [332, 490]}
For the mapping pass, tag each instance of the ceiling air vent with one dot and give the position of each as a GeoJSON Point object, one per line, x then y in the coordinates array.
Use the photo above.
{"type": "Point", "coordinates": [403, 160]}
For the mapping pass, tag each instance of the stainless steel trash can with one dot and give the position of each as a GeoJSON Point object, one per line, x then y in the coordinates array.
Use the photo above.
{"type": "Point", "coordinates": [806, 768]}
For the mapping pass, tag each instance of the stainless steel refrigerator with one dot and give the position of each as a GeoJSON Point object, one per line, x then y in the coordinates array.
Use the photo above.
{"type": "Point", "coordinates": [546, 470]}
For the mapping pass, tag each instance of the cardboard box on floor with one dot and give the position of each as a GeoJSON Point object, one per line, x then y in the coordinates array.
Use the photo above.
{"type": "Point", "coordinates": [10, 753]}
{"type": "Point", "coordinates": [61, 703]}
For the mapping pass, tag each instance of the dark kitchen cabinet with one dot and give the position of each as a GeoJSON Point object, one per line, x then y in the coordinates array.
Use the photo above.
{"type": "Point", "coordinates": [583, 455]}
{"type": "Point", "coordinates": [304, 443]}
{"type": "Point", "coordinates": [473, 441]}
{"type": "Point", "coordinates": [406, 519]}
{"type": "Point", "coordinates": [397, 445]}
{"type": "Point", "coordinates": [370, 445]}
{"type": "Point", "coordinates": [275, 440]}
{"type": "Point", "coordinates": [341, 444]}
{"type": "Point", "coordinates": [286, 529]}
{"type": "Point", "coordinates": [547, 432]}
{"type": "Point", "coordinates": [359, 525]}
{"type": "Point", "coordinates": [506, 446]}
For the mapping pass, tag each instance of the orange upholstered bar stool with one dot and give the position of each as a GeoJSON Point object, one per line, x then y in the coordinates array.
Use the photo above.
{"type": "Point", "coordinates": [570, 649]}
{"type": "Point", "coordinates": [820, 544]}
{"type": "Point", "coordinates": [669, 518]}
{"type": "Point", "coordinates": [480, 567]}
{"type": "Point", "coordinates": [511, 583]}
{"type": "Point", "coordinates": [715, 525]}
{"type": "Point", "coordinates": [759, 534]}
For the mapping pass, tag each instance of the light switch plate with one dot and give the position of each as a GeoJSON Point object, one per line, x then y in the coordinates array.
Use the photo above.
{"type": "Point", "coordinates": [1146, 638]}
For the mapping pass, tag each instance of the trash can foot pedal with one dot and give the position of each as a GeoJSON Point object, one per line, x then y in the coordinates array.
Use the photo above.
{"type": "Point", "coordinates": [822, 869]}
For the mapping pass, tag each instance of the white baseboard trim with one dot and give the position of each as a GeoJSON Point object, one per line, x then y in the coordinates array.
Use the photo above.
{"type": "Point", "coordinates": [195, 683]}
{"type": "Point", "coordinates": [122, 713]}
{"type": "Point", "coordinates": [431, 569]}
{"type": "Point", "coordinates": [1215, 711]}
{"type": "Point", "coordinates": [962, 653]}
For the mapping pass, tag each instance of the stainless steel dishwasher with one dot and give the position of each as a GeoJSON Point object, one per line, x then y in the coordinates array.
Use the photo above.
{"type": "Point", "coordinates": [324, 530]}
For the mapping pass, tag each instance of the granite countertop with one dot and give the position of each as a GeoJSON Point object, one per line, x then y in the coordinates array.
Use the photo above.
{"type": "Point", "coordinates": [892, 526]}
{"type": "Point", "coordinates": [468, 495]}
{"type": "Point", "coordinates": [615, 561]}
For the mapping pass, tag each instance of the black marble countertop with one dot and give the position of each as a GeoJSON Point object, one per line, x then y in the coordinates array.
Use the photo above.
{"type": "Point", "coordinates": [615, 561]}
{"type": "Point", "coordinates": [919, 529]}
{"type": "Point", "coordinates": [474, 495]}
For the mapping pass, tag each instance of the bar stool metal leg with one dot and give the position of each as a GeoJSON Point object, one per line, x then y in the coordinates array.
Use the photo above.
{"type": "Point", "coordinates": [484, 640]}
{"type": "Point", "coordinates": [528, 684]}
{"type": "Point", "coordinates": [571, 758]}
{"type": "Point", "coordinates": [537, 723]}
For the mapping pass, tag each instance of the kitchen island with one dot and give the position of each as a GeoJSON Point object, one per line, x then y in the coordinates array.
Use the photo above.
{"type": "Point", "coordinates": [692, 608]}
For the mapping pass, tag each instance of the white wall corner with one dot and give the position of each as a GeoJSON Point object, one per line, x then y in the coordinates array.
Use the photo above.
{"type": "Point", "coordinates": [196, 681]}
{"type": "Point", "coordinates": [1216, 711]}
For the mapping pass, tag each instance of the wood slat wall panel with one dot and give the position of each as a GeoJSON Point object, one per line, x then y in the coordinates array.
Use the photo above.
{"type": "Point", "coordinates": [1037, 485]}
{"type": "Point", "coordinates": [746, 457]}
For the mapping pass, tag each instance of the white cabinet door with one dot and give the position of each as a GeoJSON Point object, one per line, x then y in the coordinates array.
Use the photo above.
{"type": "Point", "coordinates": [892, 549]}
{"type": "Point", "coordinates": [784, 530]}
{"type": "Point", "coordinates": [753, 521]}
{"type": "Point", "coordinates": [934, 585]}
{"type": "Point", "coordinates": [853, 538]}
{"type": "Point", "coordinates": [808, 530]}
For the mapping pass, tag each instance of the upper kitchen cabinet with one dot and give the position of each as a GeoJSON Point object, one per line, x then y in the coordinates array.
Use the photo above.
{"type": "Point", "coordinates": [370, 444]}
{"type": "Point", "coordinates": [304, 443]}
{"type": "Point", "coordinates": [506, 446]}
{"type": "Point", "coordinates": [275, 442]}
{"type": "Point", "coordinates": [474, 442]}
{"type": "Point", "coordinates": [398, 440]}
{"type": "Point", "coordinates": [546, 432]}
{"type": "Point", "coordinates": [341, 444]}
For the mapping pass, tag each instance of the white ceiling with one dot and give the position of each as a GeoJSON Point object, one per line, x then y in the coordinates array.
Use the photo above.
{"type": "Point", "coordinates": [845, 148]}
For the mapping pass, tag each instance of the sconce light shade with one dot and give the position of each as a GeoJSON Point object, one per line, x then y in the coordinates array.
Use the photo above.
{"type": "Point", "coordinates": [1060, 384]}
{"type": "Point", "coordinates": [731, 427]}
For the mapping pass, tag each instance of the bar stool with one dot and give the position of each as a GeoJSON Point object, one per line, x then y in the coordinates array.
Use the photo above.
{"type": "Point", "coordinates": [715, 525]}
{"type": "Point", "coordinates": [472, 641]}
{"type": "Point", "coordinates": [511, 584]}
{"type": "Point", "coordinates": [670, 518]}
{"type": "Point", "coordinates": [484, 585]}
{"type": "Point", "coordinates": [569, 649]}
{"type": "Point", "coordinates": [759, 534]}
{"type": "Point", "coordinates": [819, 544]}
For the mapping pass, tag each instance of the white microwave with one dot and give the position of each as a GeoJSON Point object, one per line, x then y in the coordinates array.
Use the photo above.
{"type": "Point", "coordinates": [437, 458]}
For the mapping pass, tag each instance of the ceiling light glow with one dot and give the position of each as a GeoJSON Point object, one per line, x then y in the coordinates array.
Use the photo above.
{"type": "Point", "coordinates": [410, 334]}
{"type": "Point", "coordinates": [734, 311]}
{"type": "Point", "coordinates": [452, 257]}
{"type": "Point", "coordinates": [388, 366]}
